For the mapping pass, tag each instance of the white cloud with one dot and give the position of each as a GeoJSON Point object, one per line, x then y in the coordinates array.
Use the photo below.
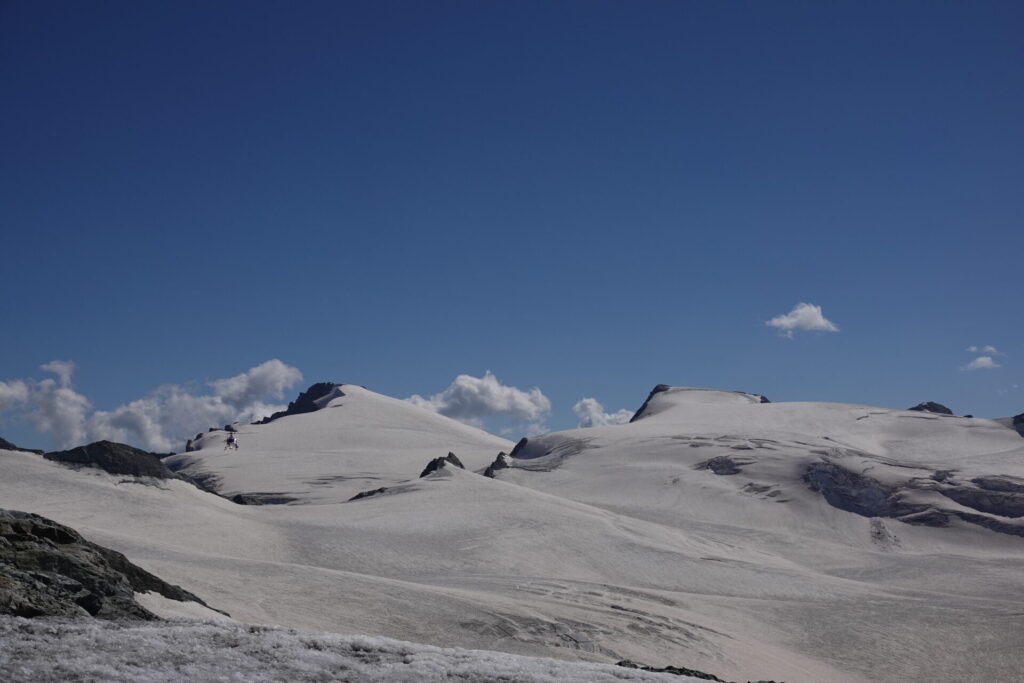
{"type": "Point", "coordinates": [987, 350]}
{"type": "Point", "coordinates": [57, 409]}
{"type": "Point", "coordinates": [981, 363]}
{"type": "Point", "coordinates": [267, 379]}
{"type": "Point", "coordinates": [591, 414]}
{"type": "Point", "coordinates": [12, 393]}
{"type": "Point", "coordinates": [471, 399]}
{"type": "Point", "coordinates": [160, 421]}
{"type": "Point", "coordinates": [64, 369]}
{"type": "Point", "coordinates": [804, 316]}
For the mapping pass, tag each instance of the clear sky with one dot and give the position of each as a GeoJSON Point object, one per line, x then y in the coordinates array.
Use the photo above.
{"type": "Point", "coordinates": [589, 198]}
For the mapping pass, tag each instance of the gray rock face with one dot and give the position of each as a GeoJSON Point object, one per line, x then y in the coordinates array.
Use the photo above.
{"type": "Point", "coordinates": [500, 463]}
{"type": "Point", "coordinates": [8, 446]}
{"type": "Point", "coordinates": [306, 401]}
{"type": "Point", "coordinates": [675, 670]}
{"type": "Point", "coordinates": [656, 390]}
{"type": "Point", "coordinates": [722, 465]}
{"type": "Point", "coordinates": [437, 463]}
{"type": "Point", "coordinates": [48, 569]}
{"type": "Point", "coordinates": [997, 500]}
{"type": "Point", "coordinates": [932, 407]}
{"type": "Point", "coordinates": [115, 458]}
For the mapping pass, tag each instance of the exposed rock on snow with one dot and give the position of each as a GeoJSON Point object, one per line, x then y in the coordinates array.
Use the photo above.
{"type": "Point", "coordinates": [312, 399]}
{"type": "Point", "coordinates": [438, 463]}
{"type": "Point", "coordinates": [8, 446]}
{"type": "Point", "coordinates": [258, 498]}
{"type": "Point", "coordinates": [932, 407]}
{"type": "Point", "coordinates": [664, 397]}
{"type": "Point", "coordinates": [675, 670]}
{"type": "Point", "coordinates": [48, 569]}
{"type": "Point", "coordinates": [369, 494]}
{"type": "Point", "coordinates": [647, 401]}
{"type": "Point", "coordinates": [863, 495]}
{"type": "Point", "coordinates": [501, 462]}
{"type": "Point", "coordinates": [722, 464]}
{"type": "Point", "coordinates": [115, 458]}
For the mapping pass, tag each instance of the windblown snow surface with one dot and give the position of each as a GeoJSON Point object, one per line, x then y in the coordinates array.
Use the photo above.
{"type": "Point", "coordinates": [198, 651]}
{"type": "Point", "coordinates": [785, 541]}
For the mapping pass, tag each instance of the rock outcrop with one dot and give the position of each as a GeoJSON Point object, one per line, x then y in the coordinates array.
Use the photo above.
{"type": "Point", "coordinates": [932, 407]}
{"type": "Point", "coordinates": [676, 670]}
{"type": "Point", "coordinates": [8, 446]}
{"type": "Point", "coordinates": [1018, 423]}
{"type": "Point", "coordinates": [438, 463]}
{"type": "Point", "coordinates": [115, 458]}
{"type": "Point", "coordinates": [48, 569]}
{"type": "Point", "coordinates": [502, 462]}
{"type": "Point", "coordinates": [307, 402]}
{"type": "Point", "coordinates": [999, 501]}
{"type": "Point", "coordinates": [656, 390]}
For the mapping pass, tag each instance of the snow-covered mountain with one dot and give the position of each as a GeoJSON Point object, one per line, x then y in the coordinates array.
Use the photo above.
{"type": "Point", "coordinates": [356, 440]}
{"type": "Point", "coordinates": [753, 540]}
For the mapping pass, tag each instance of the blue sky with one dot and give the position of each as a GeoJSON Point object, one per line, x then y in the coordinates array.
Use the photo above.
{"type": "Point", "coordinates": [589, 198]}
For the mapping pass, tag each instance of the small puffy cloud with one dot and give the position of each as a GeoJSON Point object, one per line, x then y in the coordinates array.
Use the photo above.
{"type": "Point", "coordinates": [161, 420]}
{"type": "Point", "coordinates": [803, 317]}
{"type": "Point", "coordinates": [981, 363]}
{"type": "Point", "coordinates": [987, 350]}
{"type": "Point", "coordinates": [591, 414]}
{"type": "Point", "coordinates": [471, 399]}
{"type": "Point", "coordinates": [12, 393]}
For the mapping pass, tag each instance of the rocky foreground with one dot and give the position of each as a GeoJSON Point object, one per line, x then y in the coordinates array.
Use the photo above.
{"type": "Point", "coordinates": [48, 569]}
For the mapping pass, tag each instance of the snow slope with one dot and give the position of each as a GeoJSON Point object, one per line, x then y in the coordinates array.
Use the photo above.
{"type": "Point", "coordinates": [55, 651]}
{"type": "Point", "coordinates": [691, 536]}
{"type": "Point", "coordinates": [358, 440]}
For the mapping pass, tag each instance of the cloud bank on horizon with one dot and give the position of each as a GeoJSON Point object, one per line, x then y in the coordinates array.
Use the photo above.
{"type": "Point", "coordinates": [803, 317]}
{"type": "Point", "coordinates": [160, 421]}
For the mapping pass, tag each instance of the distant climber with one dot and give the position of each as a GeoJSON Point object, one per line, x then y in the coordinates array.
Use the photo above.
{"type": "Point", "coordinates": [232, 442]}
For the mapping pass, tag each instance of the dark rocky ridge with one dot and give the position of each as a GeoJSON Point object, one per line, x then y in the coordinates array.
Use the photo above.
{"type": "Point", "coordinates": [305, 403]}
{"type": "Point", "coordinates": [656, 390]}
{"type": "Point", "coordinates": [438, 463]}
{"type": "Point", "coordinates": [932, 407]}
{"type": "Point", "coordinates": [1018, 423]}
{"type": "Point", "coordinates": [48, 569]}
{"type": "Point", "coordinates": [661, 388]}
{"type": "Point", "coordinates": [501, 462]}
{"type": "Point", "coordinates": [114, 458]}
{"type": "Point", "coordinates": [8, 446]}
